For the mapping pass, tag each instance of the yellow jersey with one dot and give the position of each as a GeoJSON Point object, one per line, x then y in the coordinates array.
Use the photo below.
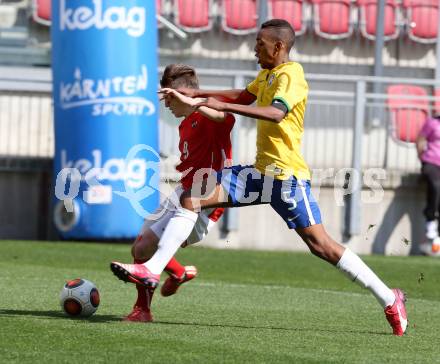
{"type": "Point", "coordinates": [279, 144]}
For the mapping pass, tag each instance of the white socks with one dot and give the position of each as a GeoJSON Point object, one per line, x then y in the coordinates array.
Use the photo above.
{"type": "Point", "coordinates": [358, 271]}
{"type": "Point", "coordinates": [177, 231]}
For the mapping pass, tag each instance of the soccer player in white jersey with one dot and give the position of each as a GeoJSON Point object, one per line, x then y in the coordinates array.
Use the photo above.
{"type": "Point", "coordinates": [205, 146]}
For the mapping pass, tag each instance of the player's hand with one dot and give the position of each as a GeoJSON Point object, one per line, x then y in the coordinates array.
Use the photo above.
{"type": "Point", "coordinates": [169, 92]}
{"type": "Point", "coordinates": [212, 103]}
{"type": "Point", "coordinates": [166, 92]}
{"type": "Point", "coordinates": [190, 92]}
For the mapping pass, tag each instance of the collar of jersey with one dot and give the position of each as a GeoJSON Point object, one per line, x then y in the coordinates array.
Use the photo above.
{"type": "Point", "coordinates": [281, 66]}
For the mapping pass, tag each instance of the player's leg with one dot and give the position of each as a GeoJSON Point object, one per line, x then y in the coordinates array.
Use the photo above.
{"type": "Point", "coordinates": [392, 300]}
{"type": "Point", "coordinates": [211, 192]}
{"type": "Point", "coordinates": [146, 246]}
{"type": "Point", "coordinates": [143, 247]}
{"type": "Point", "coordinates": [432, 177]}
{"type": "Point", "coordinates": [216, 191]}
{"type": "Point", "coordinates": [205, 222]}
{"type": "Point", "coordinates": [221, 190]}
{"type": "Point", "coordinates": [431, 245]}
{"type": "Point", "coordinates": [294, 202]}
{"type": "Point", "coordinates": [202, 195]}
{"type": "Point", "coordinates": [324, 247]}
{"type": "Point", "coordinates": [178, 274]}
{"type": "Point", "coordinates": [171, 223]}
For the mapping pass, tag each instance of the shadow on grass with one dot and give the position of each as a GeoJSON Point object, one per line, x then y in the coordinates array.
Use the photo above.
{"type": "Point", "coordinates": [59, 315]}
{"type": "Point", "coordinates": [113, 318]}
{"type": "Point", "coordinates": [292, 329]}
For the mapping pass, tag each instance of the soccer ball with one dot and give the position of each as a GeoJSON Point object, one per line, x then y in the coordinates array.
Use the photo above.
{"type": "Point", "coordinates": [79, 298]}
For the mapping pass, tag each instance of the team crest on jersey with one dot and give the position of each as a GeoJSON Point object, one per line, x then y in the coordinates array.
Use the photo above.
{"type": "Point", "coordinates": [271, 78]}
{"type": "Point", "coordinates": [194, 124]}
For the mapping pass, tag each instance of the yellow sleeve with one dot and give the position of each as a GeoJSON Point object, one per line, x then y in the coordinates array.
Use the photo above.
{"type": "Point", "coordinates": [291, 88]}
{"type": "Point", "coordinates": [253, 87]}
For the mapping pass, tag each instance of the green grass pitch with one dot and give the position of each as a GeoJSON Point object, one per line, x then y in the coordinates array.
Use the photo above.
{"type": "Point", "coordinates": [245, 307]}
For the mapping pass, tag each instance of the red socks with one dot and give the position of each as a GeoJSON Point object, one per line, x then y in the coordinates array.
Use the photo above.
{"type": "Point", "coordinates": [144, 296]}
{"type": "Point", "coordinates": [175, 268]}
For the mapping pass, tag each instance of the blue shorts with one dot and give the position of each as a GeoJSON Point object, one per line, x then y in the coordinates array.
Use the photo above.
{"type": "Point", "coordinates": [291, 198]}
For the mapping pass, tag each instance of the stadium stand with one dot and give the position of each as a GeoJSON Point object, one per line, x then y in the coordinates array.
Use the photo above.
{"type": "Point", "coordinates": [291, 10]}
{"type": "Point", "coordinates": [13, 23]}
{"type": "Point", "coordinates": [193, 15]}
{"type": "Point", "coordinates": [422, 19]}
{"type": "Point", "coordinates": [332, 18]}
{"type": "Point", "coordinates": [239, 16]}
{"type": "Point", "coordinates": [368, 19]}
{"type": "Point", "coordinates": [409, 109]}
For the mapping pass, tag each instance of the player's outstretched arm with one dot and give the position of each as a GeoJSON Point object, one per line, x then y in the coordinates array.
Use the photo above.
{"type": "Point", "coordinates": [269, 113]}
{"type": "Point", "coordinates": [212, 114]}
{"type": "Point", "coordinates": [236, 96]}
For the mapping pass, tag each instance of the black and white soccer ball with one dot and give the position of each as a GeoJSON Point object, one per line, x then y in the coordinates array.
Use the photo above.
{"type": "Point", "coordinates": [79, 298]}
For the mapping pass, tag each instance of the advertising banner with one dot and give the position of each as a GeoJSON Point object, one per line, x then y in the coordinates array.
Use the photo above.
{"type": "Point", "coordinates": [104, 64]}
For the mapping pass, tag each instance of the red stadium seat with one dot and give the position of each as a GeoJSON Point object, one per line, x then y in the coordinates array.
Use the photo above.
{"type": "Point", "coordinates": [407, 114]}
{"type": "Point", "coordinates": [332, 18]}
{"type": "Point", "coordinates": [422, 19]}
{"type": "Point", "coordinates": [290, 10]}
{"type": "Point", "coordinates": [41, 11]}
{"type": "Point", "coordinates": [368, 19]}
{"type": "Point", "coordinates": [239, 16]}
{"type": "Point", "coordinates": [159, 7]}
{"type": "Point", "coordinates": [193, 15]}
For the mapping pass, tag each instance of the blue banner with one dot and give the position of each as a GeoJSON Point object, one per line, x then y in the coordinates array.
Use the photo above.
{"type": "Point", "coordinates": [104, 64]}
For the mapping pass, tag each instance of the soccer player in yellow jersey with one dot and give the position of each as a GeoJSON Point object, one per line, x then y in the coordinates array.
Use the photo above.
{"type": "Point", "coordinates": [280, 175]}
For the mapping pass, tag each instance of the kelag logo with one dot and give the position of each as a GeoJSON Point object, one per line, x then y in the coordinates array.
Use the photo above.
{"type": "Point", "coordinates": [114, 95]}
{"type": "Point", "coordinates": [114, 17]}
{"type": "Point", "coordinates": [132, 172]}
